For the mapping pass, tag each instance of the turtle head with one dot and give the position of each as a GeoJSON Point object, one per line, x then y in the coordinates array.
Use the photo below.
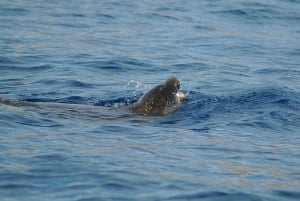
{"type": "Point", "coordinates": [173, 84]}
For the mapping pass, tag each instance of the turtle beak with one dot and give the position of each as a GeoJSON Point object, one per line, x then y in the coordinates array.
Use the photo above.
{"type": "Point", "coordinates": [182, 96]}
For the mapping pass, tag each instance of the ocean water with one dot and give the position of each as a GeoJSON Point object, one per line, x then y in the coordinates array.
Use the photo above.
{"type": "Point", "coordinates": [236, 137]}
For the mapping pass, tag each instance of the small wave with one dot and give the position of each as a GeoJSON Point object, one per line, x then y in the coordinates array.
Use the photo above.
{"type": "Point", "coordinates": [51, 157]}
{"type": "Point", "coordinates": [7, 62]}
{"type": "Point", "coordinates": [116, 102]}
{"type": "Point", "coordinates": [105, 16]}
{"type": "Point", "coordinates": [17, 186]}
{"type": "Point", "coordinates": [217, 195]}
{"type": "Point", "coordinates": [278, 71]}
{"type": "Point", "coordinates": [159, 16]}
{"type": "Point", "coordinates": [74, 100]}
{"type": "Point", "coordinates": [252, 12]}
{"type": "Point", "coordinates": [267, 108]}
{"type": "Point", "coordinates": [14, 11]}
{"type": "Point", "coordinates": [47, 82]}
{"type": "Point", "coordinates": [238, 12]}
{"type": "Point", "coordinates": [110, 66]}
{"type": "Point", "coordinates": [288, 194]}
{"type": "Point", "coordinates": [65, 15]}
{"type": "Point", "coordinates": [204, 28]}
{"type": "Point", "coordinates": [84, 100]}
{"type": "Point", "coordinates": [79, 84]}
{"type": "Point", "coordinates": [260, 98]}
{"type": "Point", "coordinates": [15, 65]}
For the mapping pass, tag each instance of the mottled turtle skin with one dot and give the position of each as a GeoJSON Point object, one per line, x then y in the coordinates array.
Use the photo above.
{"type": "Point", "coordinates": [15, 102]}
{"type": "Point", "coordinates": [160, 100]}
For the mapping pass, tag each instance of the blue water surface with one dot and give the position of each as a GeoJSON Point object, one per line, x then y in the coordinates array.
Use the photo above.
{"type": "Point", "coordinates": [236, 137]}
